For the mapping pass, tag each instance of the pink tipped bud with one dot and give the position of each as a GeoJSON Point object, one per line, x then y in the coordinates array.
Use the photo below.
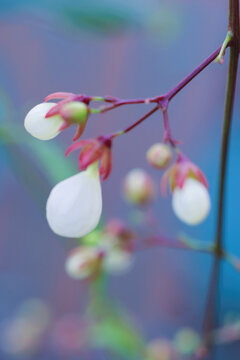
{"type": "Point", "coordinates": [74, 112]}
{"type": "Point", "coordinates": [83, 262]}
{"type": "Point", "coordinates": [139, 188]}
{"type": "Point", "coordinates": [159, 155]}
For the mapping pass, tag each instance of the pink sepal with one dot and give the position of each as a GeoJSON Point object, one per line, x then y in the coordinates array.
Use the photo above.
{"type": "Point", "coordinates": [59, 95]}
{"type": "Point", "coordinates": [106, 164]}
{"type": "Point", "coordinates": [178, 173]}
{"type": "Point", "coordinates": [64, 126]}
{"type": "Point", "coordinates": [80, 130]}
{"type": "Point", "coordinates": [80, 144]}
{"type": "Point", "coordinates": [93, 150]}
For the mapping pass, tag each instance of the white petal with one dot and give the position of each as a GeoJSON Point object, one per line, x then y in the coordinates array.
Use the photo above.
{"type": "Point", "coordinates": [191, 203]}
{"type": "Point", "coordinates": [40, 127]}
{"type": "Point", "coordinates": [74, 205]}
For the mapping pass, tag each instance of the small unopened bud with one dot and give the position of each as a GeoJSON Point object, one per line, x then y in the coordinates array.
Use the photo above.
{"type": "Point", "coordinates": [83, 262]}
{"type": "Point", "coordinates": [159, 155]}
{"type": "Point", "coordinates": [75, 112]}
{"type": "Point", "coordinates": [139, 188]}
{"type": "Point", "coordinates": [191, 203]}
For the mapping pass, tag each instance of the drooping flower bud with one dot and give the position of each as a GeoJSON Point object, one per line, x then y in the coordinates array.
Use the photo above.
{"type": "Point", "coordinates": [73, 108]}
{"type": "Point", "coordinates": [83, 262]}
{"type": "Point", "coordinates": [74, 205]}
{"type": "Point", "coordinates": [92, 151]}
{"type": "Point", "coordinates": [41, 127]}
{"type": "Point", "coordinates": [179, 172]}
{"type": "Point", "coordinates": [191, 203]}
{"type": "Point", "coordinates": [139, 188]}
{"type": "Point", "coordinates": [159, 155]}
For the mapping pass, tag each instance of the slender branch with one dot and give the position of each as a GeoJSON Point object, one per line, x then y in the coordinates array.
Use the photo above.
{"type": "Point", "coordinates": [165, 98]}
{"type": "Point", "coordinates": [229, 102]}
{"type": "Point", "coordinates": [119, 102]}
{"type": "Point", "coordinates": [175, 244]}
{"type": "Point", "coordinates": [210, 314]}
{"type": "Point", "coordinates": [192, 75]}
{"type": "Point", "coordinates": [209, 318]}
{"type": "Point", "coordinates": [167, 132]}
{"type": "Point", "coordinates": [129, 128]}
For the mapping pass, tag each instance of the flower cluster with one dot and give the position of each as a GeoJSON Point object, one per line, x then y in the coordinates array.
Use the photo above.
{"type": "Point", "coordinates": [189, 187]}
{"type": "Point", "coordinates": [109, 249]}
{"type": "Point", "coordinates": [74, 205]}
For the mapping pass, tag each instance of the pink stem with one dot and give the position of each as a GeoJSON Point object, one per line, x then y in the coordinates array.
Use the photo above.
{"type": "Point", "coordinates": [165, 98]}
{"type": "Point", "coordinates": [123, 102]}
{"type": "Point", "coordinates": [170, 94]}
{"type": "Point", "coordinates": [136, 123]}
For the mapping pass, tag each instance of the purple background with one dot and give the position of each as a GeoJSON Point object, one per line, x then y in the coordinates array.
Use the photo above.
{"type": "Point", "coordinates": [166, 289]}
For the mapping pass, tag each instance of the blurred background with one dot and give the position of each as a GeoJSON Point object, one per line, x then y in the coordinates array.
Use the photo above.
{"type": "Point", "coordinates": [126, 49]}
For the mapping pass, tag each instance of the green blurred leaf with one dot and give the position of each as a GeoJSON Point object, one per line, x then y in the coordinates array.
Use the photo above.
{"type": "Point", "coordinates": [112, 327]}
{"type": "Point", "coordinates": [51, 159]}
{"type": "Point", "coordinates": [35, 163]}
{"type": "Point", "coordinates": [118, 335]}
{"type": "Point", "coordinates": [101, 18]}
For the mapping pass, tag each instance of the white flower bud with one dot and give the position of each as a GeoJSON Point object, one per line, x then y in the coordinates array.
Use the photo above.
{"type": "Point", "coordinates": [74, 205]}
{"type": "Point", "coordinates": [191, 203]}
{"type": "Point", "coordinates": [40, 127]}
{"type": "Point", "coordinates": [159, 155]}
{"type": "Point", "coordinates": [83, 262]}
{"type": "Point", "coordinates": [139, 188]}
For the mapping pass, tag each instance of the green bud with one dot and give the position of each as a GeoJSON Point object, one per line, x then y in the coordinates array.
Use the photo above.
{"type": "Point", "coordinates": [75, 112]}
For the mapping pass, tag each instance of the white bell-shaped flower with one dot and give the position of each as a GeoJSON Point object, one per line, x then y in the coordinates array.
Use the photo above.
{"type": "Point", "coordinates": [191, 204]}
{"type": "Point", "coordinates": [40, 127]}
{"type": "Point", "coordinates": [74, 205]}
